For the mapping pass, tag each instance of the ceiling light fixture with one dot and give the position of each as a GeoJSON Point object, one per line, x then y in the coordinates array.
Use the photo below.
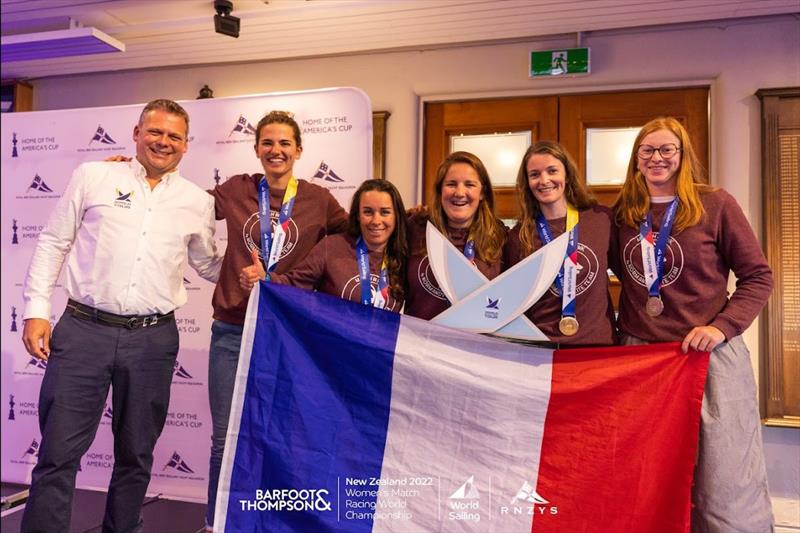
{"type": "Point", "coordinates": [60, 43]}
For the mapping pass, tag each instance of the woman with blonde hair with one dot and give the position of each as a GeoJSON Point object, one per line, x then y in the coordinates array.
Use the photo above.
{"type": "Point", "coordinates": [577, 310]}
{"type": "Point", "coordinates": [678, 242]}
{"type": "Point", "coordinates": [463, 211]}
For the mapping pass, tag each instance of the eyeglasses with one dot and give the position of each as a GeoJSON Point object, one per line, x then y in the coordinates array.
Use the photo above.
{"type": "Point", "coordinates": [667, 151]}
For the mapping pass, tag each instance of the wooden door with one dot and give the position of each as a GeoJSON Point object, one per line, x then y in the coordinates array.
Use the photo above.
{"type": "Point", "coordinates": [630, 109]}
{"type": "Point", "coordinates": [539, 115]}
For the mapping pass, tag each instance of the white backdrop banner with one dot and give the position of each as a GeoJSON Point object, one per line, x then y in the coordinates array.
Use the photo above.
{"type": "Point", "coordinates": [39, 152]}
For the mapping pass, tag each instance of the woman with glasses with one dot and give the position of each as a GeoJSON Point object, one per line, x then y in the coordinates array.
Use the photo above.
{"type": "Point", "coordinates": [678, 242]}
{"type": "Point", "coordinates": [577, 309]}
{"type": "Point", "coordinates": [366, 264]}
{"type": "Point", "coordinates": [463, 211]}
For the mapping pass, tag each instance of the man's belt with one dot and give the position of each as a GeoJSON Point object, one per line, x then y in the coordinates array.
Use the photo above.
{"type": "Point", "coordinates": [85, 312]}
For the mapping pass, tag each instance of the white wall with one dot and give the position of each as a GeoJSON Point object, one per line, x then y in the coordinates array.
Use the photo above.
{"type": "Point", "coordinates": [737, 57]}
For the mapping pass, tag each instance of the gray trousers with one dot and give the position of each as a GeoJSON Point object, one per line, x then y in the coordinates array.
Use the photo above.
{"type": "Point", "coordinates": [730, 493]}
{"type": "Point", "coordinates": [86, 358]}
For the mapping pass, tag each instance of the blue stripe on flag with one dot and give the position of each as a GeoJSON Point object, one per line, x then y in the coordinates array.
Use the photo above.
{"type": "Point", "coordinates": [316, 408]}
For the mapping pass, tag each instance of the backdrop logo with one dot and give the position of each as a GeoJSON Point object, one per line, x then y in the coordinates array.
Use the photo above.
{"type": "Point", "coordinates": [32, 451]}
{"type": "Point", "coordinates": [216, 177]}
{"type": "Point", "coordinates": [14, 228]}
{"type": "Point", "coordinates": [243, 126]}
{"type": "Point", "coordinates": [35, 362]}
{"type": "Point", "coordinates": [11, 404]}
{"type": "Point", "coordinates": [326, 173]}
{"type": "Point", "coordinates": [13, 318]}
{"type": "Point", "coordinates": [178, 464]}
{"type": "Point", "coordinates": [186, 325]}
{"type": "Point", "coordinates": [242, 132]}
{"type": "Point", "coordinates": [183, 419]}
{"type": "Point", "coordinates": [101, 141]}
{"type": "Point", "coordinates": [102, 136]}
{"type": "Point", "coordinates": [108, 414]}
{"type": "Point", "coordinates": [181, 372]}
{"type": "Point", "coordinates": [182, 376]}
{"type": "Point", "coordinates": [38, 184]}
{"type": "Point", "coordinates": [32, 144]}
{"type": "Point", "coordinates": [38, 189]}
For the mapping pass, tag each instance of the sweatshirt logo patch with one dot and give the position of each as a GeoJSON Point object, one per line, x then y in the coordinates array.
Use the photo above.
{"type": "Point", "coordinates": [251, 233]}
{"type": "Point", "coordinates": [588, 270]}
{"type": "Point", "coordinates": [673, 263]}
{"type": "Point", "coordinates": [427, 280]}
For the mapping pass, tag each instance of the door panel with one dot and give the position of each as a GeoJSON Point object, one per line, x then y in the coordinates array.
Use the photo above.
{"type": "Point", "coordinates": [539, 115]}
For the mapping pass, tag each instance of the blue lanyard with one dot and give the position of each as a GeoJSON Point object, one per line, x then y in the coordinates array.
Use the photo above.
{"type": "Point", "coordinates": [654, 253]}
{"type": "Point", "coordinates": [362, 258]}
{"type": "Point", "coordinates": [570, 265]}
{"type": "Point", "coordinates": [269, 255]}
{"type": "Point", "coordinates": [264, 219]}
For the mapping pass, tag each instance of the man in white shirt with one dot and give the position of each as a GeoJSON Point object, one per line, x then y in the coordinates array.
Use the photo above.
{"type": "Point", "coordinates": [124, 231]}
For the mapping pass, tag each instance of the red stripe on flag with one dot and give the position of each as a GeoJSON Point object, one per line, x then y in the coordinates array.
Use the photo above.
{"type": "Point", "coordinates": [620, 440]}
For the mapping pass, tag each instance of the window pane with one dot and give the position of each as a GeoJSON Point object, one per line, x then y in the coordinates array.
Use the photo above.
{"type": "Point", "coordinates": [501, 153]}
{"type": "Point", "coordinates": [608, 151]}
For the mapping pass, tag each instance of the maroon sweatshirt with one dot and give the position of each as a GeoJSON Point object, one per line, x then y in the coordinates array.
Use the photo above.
{"type": "Point", "coordinates": [425, 299]}
{"type": "Point", "coordinates": [694, 288]}
{"type": "Point", "coordinates": [593, 308]}
{"type": "Point", "coordinates": [316, 213]}
{"type": "Point", "coordinates": [331, 267]}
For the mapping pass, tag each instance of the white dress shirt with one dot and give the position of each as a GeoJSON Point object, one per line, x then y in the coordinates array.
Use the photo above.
{"type": "Point", "coordinates": [124, 244]}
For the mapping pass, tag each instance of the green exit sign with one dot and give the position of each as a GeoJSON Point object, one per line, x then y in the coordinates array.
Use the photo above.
{"type": "Point", "coordinates": [559, 62]}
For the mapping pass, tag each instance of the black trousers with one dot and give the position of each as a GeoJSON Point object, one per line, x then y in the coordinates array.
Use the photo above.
{"type": "Point", "coordinates": [86, 358]}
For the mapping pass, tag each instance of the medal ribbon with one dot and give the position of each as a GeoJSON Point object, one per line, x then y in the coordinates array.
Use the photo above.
{"type": "Point", "coordinates": [566, 281]}
{"type": "Point", "coordinates": [382, 294]}
{"type": "Point", "coordinates": [653, 251]}
{"type": "Point", "coordinates": [274, 244]}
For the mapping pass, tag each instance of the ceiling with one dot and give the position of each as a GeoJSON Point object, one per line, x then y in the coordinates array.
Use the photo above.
{"type": "Point", "coordinates": [161, 33]}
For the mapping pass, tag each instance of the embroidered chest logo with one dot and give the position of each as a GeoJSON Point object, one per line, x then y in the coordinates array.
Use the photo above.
{"type": "Point", "coordinates": [673, 263]}
{"type": "Point", "coordinates": [251, 233]}
{"type": "Point", "coordinates": [588, 270]}
{"type": "Point", "coordinates": [123, 199]}
{"type": "Point", "coordinates": [428, 280]}
{"type": "Point", "coordinates": [352, 291]}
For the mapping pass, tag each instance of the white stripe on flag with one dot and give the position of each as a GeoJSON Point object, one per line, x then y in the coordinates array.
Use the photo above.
{"type": "Point", "coordinates": [240, 387]}
{"type": "Point", "coordinates": [487, 400]}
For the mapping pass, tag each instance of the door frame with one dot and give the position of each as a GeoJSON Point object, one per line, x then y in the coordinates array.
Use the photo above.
{"type": "Point", "coordinates": [557, 91]}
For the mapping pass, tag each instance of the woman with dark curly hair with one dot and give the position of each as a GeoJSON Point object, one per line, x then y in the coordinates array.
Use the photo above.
{"type": "Point", "coordinates": [366, 264]}
{"type": "Point", "coordinates": [577, 310]}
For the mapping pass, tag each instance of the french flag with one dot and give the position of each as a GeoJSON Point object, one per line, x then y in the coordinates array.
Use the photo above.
{"type": "Point", "coordinates": [351, 418]}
